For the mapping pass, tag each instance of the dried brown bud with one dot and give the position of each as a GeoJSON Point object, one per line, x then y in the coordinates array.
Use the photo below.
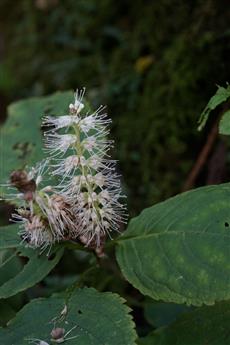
{"type": "Point", "coordinates": [99, 250]}
{"type": "Point", "coordinates": [59, 202]}
{"type": "Point", "coordinates": [20, 180]}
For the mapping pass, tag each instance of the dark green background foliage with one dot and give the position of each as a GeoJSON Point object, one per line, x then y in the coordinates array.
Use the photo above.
{"type": "Point", "coordinates": [155, 63]}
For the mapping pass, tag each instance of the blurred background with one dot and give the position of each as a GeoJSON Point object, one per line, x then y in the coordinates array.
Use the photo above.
{"type": "Point", "coordinates": [154, 63]}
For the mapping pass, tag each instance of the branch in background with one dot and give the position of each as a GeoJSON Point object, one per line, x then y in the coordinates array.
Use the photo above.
{"type": "Point", "coordinates": [202, 158]}
{"type": "Point", "coordinates": [217, 164]}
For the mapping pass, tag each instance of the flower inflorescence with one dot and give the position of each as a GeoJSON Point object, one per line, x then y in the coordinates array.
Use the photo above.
{"type": "Point", "coordinates": [85, 203]}
{"type": "Point", "coordinates": [88, 181]}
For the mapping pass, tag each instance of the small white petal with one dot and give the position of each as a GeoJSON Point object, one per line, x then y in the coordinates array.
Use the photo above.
{"type": "Point", "coordinates": [59, 143]}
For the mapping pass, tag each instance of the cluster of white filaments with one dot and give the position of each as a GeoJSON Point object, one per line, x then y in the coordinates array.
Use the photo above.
{"type": "Point", "coordinates": [79, 151]}
{"type": "Point", "coordinates": [44, 216]}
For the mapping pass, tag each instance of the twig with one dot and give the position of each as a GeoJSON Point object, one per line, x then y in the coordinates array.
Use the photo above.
{"type": "Point", "coordinates": [190, 181]}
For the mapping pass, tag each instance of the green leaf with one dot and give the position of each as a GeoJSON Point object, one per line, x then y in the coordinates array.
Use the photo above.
{"type": "Point", "coordinates": [14, 277]}
{"type": "Point", "coordinates": [37, 267]}
{"type": "Point", "coordinates": [224, 125]}
{"type": "Point", "coordinates": [9, 237]}
{"type": "Point", "coordinates": [178, 250]}
{"type": "Point", "coordinates": [151, 339]}
{"type": "Point", "coordinates": [21, 136]}
{"type": "Point", "coordinates": [205, 325]}
{"type": "Point", "coordinates": [95, 319]}
{"type": "Point", "coordinates": [221, 95]}
{"type": "Point", "coordinates": [161, 314]}
{"type": "Point", "coordinates": [10, 265]}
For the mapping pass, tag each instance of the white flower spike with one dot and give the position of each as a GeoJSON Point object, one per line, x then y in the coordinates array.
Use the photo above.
{"type": "Point", "coordinates": [88, 181]}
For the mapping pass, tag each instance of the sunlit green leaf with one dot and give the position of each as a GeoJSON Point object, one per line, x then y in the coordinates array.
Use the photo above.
{"type": "Point", "coordinates": [178, 250]}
